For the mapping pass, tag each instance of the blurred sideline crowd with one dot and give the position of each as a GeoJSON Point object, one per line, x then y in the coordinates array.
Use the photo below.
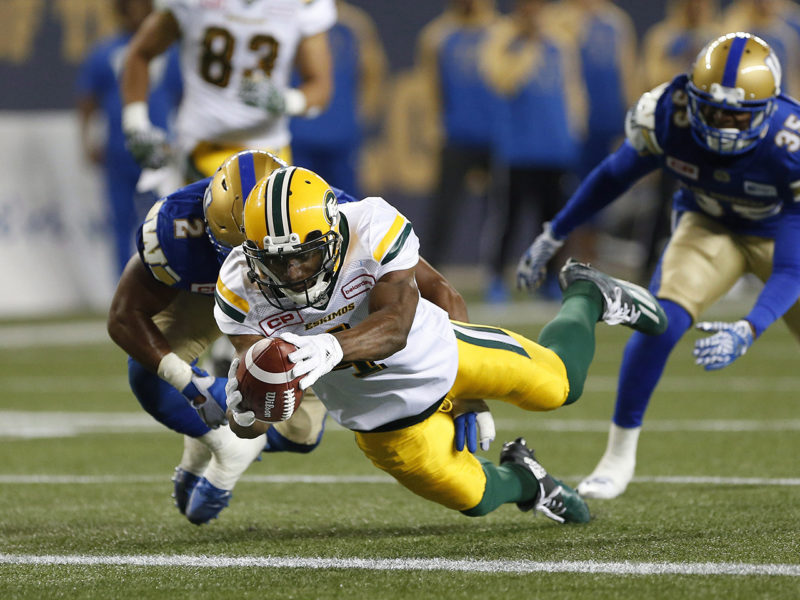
{"type": "Point", "coordinates": [504, 112]}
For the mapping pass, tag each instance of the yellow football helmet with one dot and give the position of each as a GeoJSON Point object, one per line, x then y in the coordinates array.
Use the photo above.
{"type": "Point", "coordinates": [732, 89]}
{"type": "Point", "coordinates": [293, 245]}
{"type": "Point", "coordinates": [223, 203]}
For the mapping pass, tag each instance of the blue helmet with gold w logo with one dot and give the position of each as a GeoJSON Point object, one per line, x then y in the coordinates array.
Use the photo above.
{"type": "Point", "coordinates": [732, 89]}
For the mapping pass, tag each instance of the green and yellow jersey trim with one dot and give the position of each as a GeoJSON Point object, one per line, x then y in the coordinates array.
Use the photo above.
{"type": "Point", "coordinates": [391, 244]}
{"type": "Point", "coordinates": [230, 303]}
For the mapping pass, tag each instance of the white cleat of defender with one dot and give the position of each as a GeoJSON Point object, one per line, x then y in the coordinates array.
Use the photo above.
{"type": "Point", "coordinates": [615, 470]}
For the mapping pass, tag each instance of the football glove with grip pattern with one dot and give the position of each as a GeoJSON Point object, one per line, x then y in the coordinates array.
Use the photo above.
{"type": "Point", "coordinates": [730, 341]}
{"type": "Point", "coordinates": [532, 267]}
{"type": "Point", "coordinates": [207, 386]}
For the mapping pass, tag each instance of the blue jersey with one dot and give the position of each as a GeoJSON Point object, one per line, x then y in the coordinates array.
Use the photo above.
{"type": "Point", "coordinates": [749, 193]}
{"type": "Point", "coordinates": [602, 74]}
{"type": "Point", "coordinates": [174, 245]}
{"type": "Point", "coordinates": [466, 99]}
{"type": "Point", "coordinates": [99, 78]}
{"type": "Point", "coordinates": [533, 127]}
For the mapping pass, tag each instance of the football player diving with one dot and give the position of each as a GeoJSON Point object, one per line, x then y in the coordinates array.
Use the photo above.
{"type": "Point", "coordinates": [730, 138]}
{"type": "Point", "coordinates": [162, 316]}
{"type": "Point", "coordinates": [387, 363]}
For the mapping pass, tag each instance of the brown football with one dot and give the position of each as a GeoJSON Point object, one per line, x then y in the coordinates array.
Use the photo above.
{"type": "Point", "coordinates": [266, 381]}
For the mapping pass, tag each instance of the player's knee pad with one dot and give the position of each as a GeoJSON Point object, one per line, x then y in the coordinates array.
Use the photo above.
{"type": "Point", "coordinates": [163, 402]}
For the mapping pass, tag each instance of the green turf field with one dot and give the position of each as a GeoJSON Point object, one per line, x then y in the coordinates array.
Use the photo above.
{"type": "Point", "coordinates": [714, 511]}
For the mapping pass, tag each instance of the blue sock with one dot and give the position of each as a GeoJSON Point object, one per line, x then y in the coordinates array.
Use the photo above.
{"type": "Point", "coordinates": [643, 363]}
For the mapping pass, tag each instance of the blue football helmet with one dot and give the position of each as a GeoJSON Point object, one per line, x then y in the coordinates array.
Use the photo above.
{"type": "Point", "coordinates": [732, 89]}
{"type": "Point", "coordinates": [223, 203]}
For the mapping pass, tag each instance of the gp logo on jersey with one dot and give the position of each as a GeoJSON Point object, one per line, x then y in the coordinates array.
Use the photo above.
{"type": "Point", "coordinates": [360, 285]}
{"type": "Point", "coordinates": [683, 168]}
{"type": "Point", "coordinates": [331, 208]}
{"type": "Point", "coordinates": [278, 321]}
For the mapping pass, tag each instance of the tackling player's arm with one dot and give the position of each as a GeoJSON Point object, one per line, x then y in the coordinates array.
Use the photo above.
{"type": "Point", "coordinates": [434, 287]}
{"type": "Point", "coordinates": [137, 299]}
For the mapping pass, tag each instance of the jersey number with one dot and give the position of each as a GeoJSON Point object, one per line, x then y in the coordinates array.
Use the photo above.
{"type": "Point", "coordinates": [363, 367]}
{"type": "Point", "coordinates": [789, 139]}
{"type": "Point", "coordinates": [217, 51]}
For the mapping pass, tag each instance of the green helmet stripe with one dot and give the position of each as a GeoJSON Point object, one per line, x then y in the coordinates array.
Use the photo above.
{"type": "Point", "coordinates": [275, 206]}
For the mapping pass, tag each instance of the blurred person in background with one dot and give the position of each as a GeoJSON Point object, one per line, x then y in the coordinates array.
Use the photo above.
{"type": "Point", "coordinates": [331, 143]}
{"type": "Point", "coordinates": [731, 138]}
{"type": "Point", "coordinates": [538, 121]}
{"type": "Point", "coordinates": [236, 61]}
{"type": "Point", "coordinates": [604, 36]}
{"type": "Point", "coordinates": [99, 100]}
{"type": "Point", "coordinates": [458, 96]}
{"type": "Point", "coordinates": [668, 49]}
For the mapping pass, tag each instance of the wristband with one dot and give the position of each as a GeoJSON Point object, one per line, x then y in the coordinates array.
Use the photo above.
{"type": "Point", "coordinates": [296, 102]}
{"type": "Point", "coordinates": [175, 371]}
{"type": "Point", "coordinates": [135, 117]}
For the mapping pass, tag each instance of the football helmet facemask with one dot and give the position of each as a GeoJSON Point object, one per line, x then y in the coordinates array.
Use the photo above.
{"type": "Point", "coordinates": [732, 89]}
{"type": "Point", "coordinates": [223, 203]}
{"type": "Point", "coordinates": [293, 245]}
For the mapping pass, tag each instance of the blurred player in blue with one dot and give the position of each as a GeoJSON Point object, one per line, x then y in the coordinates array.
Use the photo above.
{"type": "Point", "coordinates": [732, 139]}
{"type": "Point", "coordinates": [98, 90]}
{"type": "Point", "coordinates": [162, 316]}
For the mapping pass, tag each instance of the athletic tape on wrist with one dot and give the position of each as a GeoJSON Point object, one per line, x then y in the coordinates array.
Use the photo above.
{"type": "Point", "coordinates": [175, 371]}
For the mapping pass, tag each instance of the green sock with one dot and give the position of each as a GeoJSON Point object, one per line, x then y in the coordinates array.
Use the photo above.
{"type": "Point", "coordinates": [571, 333]}
{"type": "Point", "coordinates": [504, 483]}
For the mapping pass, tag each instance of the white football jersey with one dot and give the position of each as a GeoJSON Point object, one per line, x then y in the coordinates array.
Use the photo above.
{"type": "Point", "coordinates": [224, 40]}
{"type": "Point", "coordinates": [362, 395]}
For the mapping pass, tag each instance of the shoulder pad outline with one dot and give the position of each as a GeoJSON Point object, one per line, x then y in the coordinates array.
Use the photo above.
{"type": "Point", "coordinates": [640, 122]}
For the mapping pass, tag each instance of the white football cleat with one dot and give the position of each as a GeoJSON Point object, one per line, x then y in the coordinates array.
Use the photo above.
{"type": "Point", "coordinates": [615, 470]}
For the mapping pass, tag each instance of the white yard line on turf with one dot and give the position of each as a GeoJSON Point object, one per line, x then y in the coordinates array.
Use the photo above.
{"type": "Point", "coordinates": [411, 564]}
{"type": "Point", "coordinates": [371, 479]}
{"type": "Point", "coordinates": [31, 425]}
